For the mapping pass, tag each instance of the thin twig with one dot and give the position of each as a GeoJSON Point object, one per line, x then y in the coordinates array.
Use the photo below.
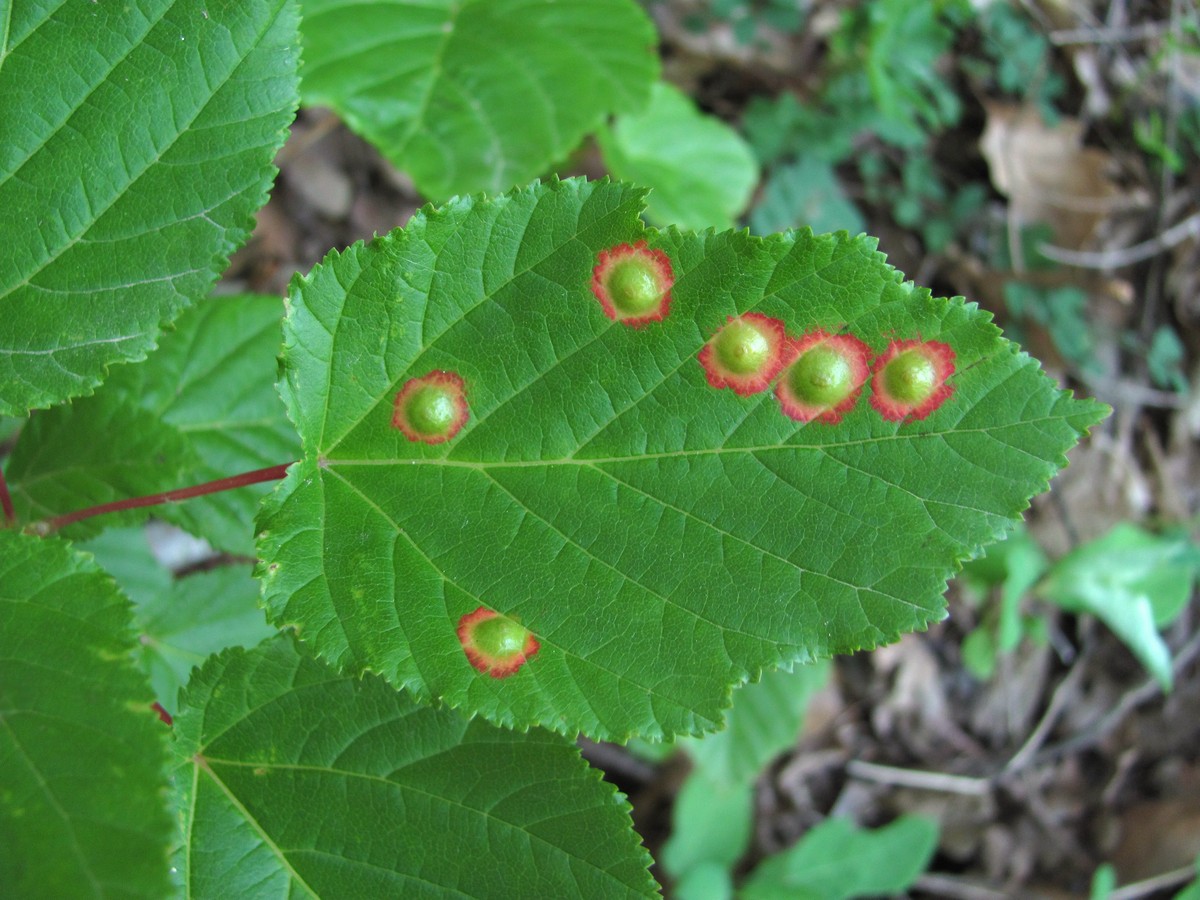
{"type": "Point", "coordinates": [918, 778]}
{"type": "Point", "coordinates": [271, 473]}
{"type": "Point", "coordinates": [1058, 701]}
{"type": "Point", "coordinates": [1096, 35]}
{"type": "Point", "coordinates": [1144, 693]}
{"type": "Point", "coordinates": [958, 888]}
{"type": "Point", "coordinates": [1125, 256]}
{"type": "Point", "coordinates": [1151, 885]}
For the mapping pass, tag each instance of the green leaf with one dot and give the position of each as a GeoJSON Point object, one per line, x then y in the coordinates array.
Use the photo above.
{"type": "Point", "coordinates": [1191, 891]}
{"type": "Point", "coordinates": [203, 406]}
{"type": "Point", "coordinates": [711, 823]}
{"type": "Point", "coordinates": [1015, 565]}
{"type": "Point", "coordinates": [700, 170]}
{"type": "Point", "coordinates": [82, 754]}
{"type": "Point", "coordinates": [764, 721]}
{"type": "Point", "coordinates": [470, 95]}
{"type": "Point", "coordinates": [135, 146]}
{"type": "Point", "coordinates": [200, 615]}
{"type": "Point", "coordinates": [805, 193]}
{"type": "Point", "coordinates": [180, 622]}
{"type": "Point", "coordinates": [1104, 882]}
{"type": "Point", "coordinates": [295, 780]}
{"type": "Point", "coordinates": [836, 860]}
{"type": "Point", "coordinates": [707, 881]}
{"type": "Point", "coordinates": [125, 554]}
{"type": "Point", "coordinates": [663, 540]}
{"type": "Point", "coordinates": [1133, 581]}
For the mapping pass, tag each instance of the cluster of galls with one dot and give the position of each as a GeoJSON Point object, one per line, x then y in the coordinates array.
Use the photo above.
{"type": "Point", "coordinates": [820, 375]}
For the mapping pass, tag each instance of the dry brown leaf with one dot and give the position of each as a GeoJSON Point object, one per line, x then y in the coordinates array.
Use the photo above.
{"type": "Point", "coordinates": [1047, 173]}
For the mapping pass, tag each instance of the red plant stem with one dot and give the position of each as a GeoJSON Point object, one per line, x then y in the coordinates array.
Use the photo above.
{"type": "Point", "coordinates": [271, 473]}
{"type": "Point", "coordinates": [10, 514]}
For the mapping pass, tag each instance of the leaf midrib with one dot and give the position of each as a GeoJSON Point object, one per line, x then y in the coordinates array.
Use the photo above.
{"type": "Point", "coordinates": [326, 462]}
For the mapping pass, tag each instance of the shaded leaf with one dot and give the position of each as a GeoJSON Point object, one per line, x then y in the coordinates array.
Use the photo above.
{"type": "Point", "coordinates": [82, 754]}
{"type": "Point", "coordinates": [836, 860]}
{"type": "Point", "coordinates": [202, 407]}
{"type": "Point", "coordinates": [135, 146]}
{"type": "Point", "coordinates": [296, 780]}
{"type": "Point", "coordinates": [470, 95]}
{"type": "Point", "coordinates": [699, 170]}
{"type": "Point", "coordinates": [661, 539]}
{"type": "Point", "coordinates": [180, 622]}
{"type": "Point", "coordinates": [199, 615]}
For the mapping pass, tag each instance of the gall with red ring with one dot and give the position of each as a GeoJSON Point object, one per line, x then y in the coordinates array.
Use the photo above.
{"type": "Point", "coordinates": [824, 377]}
{"type": "Point", "coordinates": [909, 379]}
{"type": "Point", "coordinates": [745, 354]}
{"type": "Point", "coordinates": [431, 409]}
{"type": "Point", "coordinates": [495, 644]}
{"type": "Point", "coordinates": [633, 283]}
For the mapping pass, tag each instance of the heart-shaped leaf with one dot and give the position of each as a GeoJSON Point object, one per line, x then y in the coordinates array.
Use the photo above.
{"type": "Point", "coordinates": [584, 512]}
{"type": "Point", "coordinates": [297, 781]}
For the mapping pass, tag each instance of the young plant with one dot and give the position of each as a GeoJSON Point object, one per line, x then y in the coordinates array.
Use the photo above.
{"type": "Point", "coordinates": [514, 515]}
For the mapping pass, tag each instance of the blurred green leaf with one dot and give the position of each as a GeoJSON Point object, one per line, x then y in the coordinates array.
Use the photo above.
{"type": "Point", "coordinates": [125, 554]}
{"type": "Point", "coordinates": [1014, 565]}
{"type": "Point", "coordinates": [763, 721]}
{"type": "Point", "coordinates": [181, 622]}
{"type": "Point", "coordinates": [1104, 882]}
{"type": "Point", "coordinates": [806, 193]}
{"type": "Point", "coordinates": [836, 860]}
{"type": "Point", "coordinates": [474, 95]}
{"type": "Point", "coordinates": [203, 406]}
{"type": "Point", "coordinates": [1165, 360]}
{"type": "Point", "coordinates": [199, 615]}
{"type": "Point", "coordinates": [706, 881]}
{"type": "Point", "coordinates": [1135, 582]}
{"type": "Point", "coordinates": [710, 824]}
{"type": "Point", "coordinates": [700, 171]}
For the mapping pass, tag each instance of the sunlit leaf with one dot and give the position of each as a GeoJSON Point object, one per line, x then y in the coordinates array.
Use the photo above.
{"type": "Point", "coordinates": [659, 538]}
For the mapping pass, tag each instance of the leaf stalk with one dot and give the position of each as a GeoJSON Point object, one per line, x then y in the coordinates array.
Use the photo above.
{"type": "Point", "coordinates": [271, 473]}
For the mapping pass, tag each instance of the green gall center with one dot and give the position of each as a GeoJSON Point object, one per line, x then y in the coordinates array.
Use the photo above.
{"type": "Point", "coordinates": [821, 377]}
{"type": "Point", "coordinates": [431, 410]}
{"type": "Point", "coordinates": [911, 377]}
{"type": "Point", "coordinates": [500, 637]}
{"type": "Point", "coordinates": [633, 287]}
{"type": "Point", "coordinates": [742, 349]}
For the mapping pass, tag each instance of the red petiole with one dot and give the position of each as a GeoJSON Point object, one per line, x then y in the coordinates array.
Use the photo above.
{"type": "Point", "coordinates": [271, 473]}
